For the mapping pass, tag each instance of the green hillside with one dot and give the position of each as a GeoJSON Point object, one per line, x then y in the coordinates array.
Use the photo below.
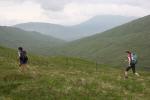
{"type": "Point", "coordinates": [110, 46]}
{"type": "Point", "coordinates": [63, 78]}
{"type": "Point", "coordinates": [32, 41]}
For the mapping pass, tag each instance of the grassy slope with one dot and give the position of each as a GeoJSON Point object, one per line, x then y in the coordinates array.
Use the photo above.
{"type": "Point", "coordinates": [60, 78]}
{"type": "Point", "coordinates": [32, 41]}
{"type": "Point", "coordinates": [109, 47]}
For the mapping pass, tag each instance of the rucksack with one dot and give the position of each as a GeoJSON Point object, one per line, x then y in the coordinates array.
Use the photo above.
{"type": "Point", "coordinates": [133, 58]}
{"type": "Point", "coordinates": [23, 55]}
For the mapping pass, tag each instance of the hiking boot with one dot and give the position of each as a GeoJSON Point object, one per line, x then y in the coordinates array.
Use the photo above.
{"type": "Point", "coordinates": [137, 74]}
{"type": "Point", "coordinates": [126, 74]}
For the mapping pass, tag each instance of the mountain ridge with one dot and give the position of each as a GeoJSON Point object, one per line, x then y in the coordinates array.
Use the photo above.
{"type": "Point", "coordinates": [32, 41]}
{"type": "Point", "coordinates": [87, 28]}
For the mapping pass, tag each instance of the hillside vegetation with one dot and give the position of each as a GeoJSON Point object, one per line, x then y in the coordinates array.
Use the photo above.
{"type": "Point", "coordinates": [109, 47]}
{"type": "Point", "coordinates": [32, 41]}
{"type": "Point", "coordinates": [64, 78]}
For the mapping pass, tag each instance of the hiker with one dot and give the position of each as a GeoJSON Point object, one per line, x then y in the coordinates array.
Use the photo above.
{"type": "Point", "coordinates": [23, 59]}
{"type": "Point", "coordinates": [132, 61]}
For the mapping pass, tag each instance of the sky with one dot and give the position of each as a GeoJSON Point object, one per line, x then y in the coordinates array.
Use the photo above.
{"type": "Point", "coordinates": [68, 12]}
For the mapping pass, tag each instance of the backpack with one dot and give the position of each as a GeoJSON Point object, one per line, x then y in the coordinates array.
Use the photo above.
{"type": "Point", "coordinates": [23, 55]}
{"type": "Point", "coordinates": [133, 58]}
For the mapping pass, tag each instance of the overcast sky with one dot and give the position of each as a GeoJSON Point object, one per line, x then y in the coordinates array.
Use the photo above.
{"type": "Point", "coordinates": [67, 12]}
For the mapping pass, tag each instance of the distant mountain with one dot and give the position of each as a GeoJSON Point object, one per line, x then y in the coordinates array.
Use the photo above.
{"type": "Point", "coordinates": [109, 47]}
{"type": "Point", "coordinates": [101, 23]}
{"type": "Point", "coordinates": [32, 41]}
{"type": "Point", "coordinates": [90, 27]}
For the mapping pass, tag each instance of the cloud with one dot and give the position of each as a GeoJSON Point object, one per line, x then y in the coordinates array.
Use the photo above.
{"type": "Point", "coordinates": [60, 4]}
{"type": "Point", "coordinates": [75, 13]}
{"type": "Point", "coordinates": [12, 13]}
{"type": "Point", "coordinates": [53, 5]}
{"type": "Point", "coordinates": [67, 12]}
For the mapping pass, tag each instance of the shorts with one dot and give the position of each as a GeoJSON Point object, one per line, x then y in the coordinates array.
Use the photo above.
{"type": "Point", "coordinates": [132, 66]}
{"type": "Point", "coordinates": [23, 60]}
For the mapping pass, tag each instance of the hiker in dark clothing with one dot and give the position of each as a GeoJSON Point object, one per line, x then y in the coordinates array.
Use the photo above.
{"type": "Point", "coordinates": [23, 59]}
{"type": "Point", "coordinates": [132, 61]}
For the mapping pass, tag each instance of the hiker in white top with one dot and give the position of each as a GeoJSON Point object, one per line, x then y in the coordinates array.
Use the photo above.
{"type": "Point", "coordinates": [132, 61]}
